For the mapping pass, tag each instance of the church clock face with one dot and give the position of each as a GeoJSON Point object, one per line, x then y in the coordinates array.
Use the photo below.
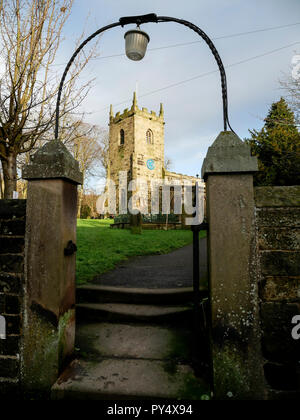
{"type": "Point", "coordinates": [150, 164]}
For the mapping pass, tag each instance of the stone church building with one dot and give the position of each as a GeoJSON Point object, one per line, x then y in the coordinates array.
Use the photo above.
{"type": "Point", "coordinates": [136, 145]}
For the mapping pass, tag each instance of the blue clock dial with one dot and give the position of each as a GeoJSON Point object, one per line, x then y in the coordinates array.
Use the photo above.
{"type": "Point", "coordinates": [150, 164]}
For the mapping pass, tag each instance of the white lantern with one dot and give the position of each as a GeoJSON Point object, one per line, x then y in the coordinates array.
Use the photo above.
{"type": "Point", "coordinates": [136, 42]}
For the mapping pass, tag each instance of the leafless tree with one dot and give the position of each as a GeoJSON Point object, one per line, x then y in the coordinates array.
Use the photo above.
{"type": "Point", "coordinates": [168, 163]}
{"type": "Point", "coordinates": [104, 156]}
{"type": "Point", "coordinates": [291, 86]}
{"type": "Point", "coordinates": [89, 145]}
{"type": "Point", "coordinates": [30, 34]}
{"type": "Point", "coordinates": [88, 207]}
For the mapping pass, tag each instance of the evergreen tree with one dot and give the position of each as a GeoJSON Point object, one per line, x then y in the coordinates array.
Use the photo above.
{"type": "Point", "coordinates": [277, 147]}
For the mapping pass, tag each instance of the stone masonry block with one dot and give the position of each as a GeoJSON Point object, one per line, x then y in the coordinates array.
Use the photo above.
{"type": "Point", "coordinates": [278, 289]}
{"type": "Point", "coordinates": [9, 366]}
{"type": "Point", "coordinates": [9, 389]}
{"type": "Point", "coordinates": [2, 303]}
{"type": "Point", "coordinates": [10, 283]}
{"type": "Point", "coordinates": [11, 263]}
{"type": "Point", "coordinates": [279, 238]}
{"type": "Point", "coordinates": [11, 245]}
{"type": "Point", "coordinates": [12, 227]}
{"type": "Point", "coordinates": [53, 160]}
{"type": "Point", "coordinates": [12, 305]}
{"type": "Point", "coordinates": [278, 217]}
{"type": "Point", "coordinates": [282, 377]}
{"type": "Point", "coordinates": [228, 154]}
{"type": "Point", "coordinates": [287, 196]}
{"type": "Point", "coordinates": [280, 263]}
{"type": "Point", "coordinates": [13, 324]}
{"type": "Point", "coordinates": [12, 209]}
{"type": "Point", "coordinates": [10, 346]}
{"type": "Point", "coordinates": [277, 341]}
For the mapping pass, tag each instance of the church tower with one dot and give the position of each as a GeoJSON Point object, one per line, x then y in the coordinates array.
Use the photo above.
{"type": "Point", "coordinates": [136, 144]}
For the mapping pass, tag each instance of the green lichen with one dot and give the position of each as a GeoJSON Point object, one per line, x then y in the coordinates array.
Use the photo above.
{"type": "Point", "coordinates": [194, 389]}
{"type": "Point", "coordinates": [44, 350]}
{"type": "Point", "coordinates": [40, 355]}
{"type": "Point", "coordinates": [179, 352]}
{"type": "Point", "coordinates": [230, 375]}
{"type": "Point", "coordinates": [62, 325]}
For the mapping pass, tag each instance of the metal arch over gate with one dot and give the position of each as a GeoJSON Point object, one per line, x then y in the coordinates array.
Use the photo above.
{"type": "Point", "coordinates": [138, 20]}
{"type": "Point", "coordinates": [153, 18]}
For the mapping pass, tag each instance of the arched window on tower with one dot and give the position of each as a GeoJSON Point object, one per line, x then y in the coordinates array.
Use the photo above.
{"type": "Point", "coordinates": [149, 137]}
{"type": "Point", "coordinates": [122, 137]}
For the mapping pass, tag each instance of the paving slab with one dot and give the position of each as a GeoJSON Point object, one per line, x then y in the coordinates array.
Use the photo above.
{"type": "Point", "coordinates": [127, 379]}
{"type": "Point", "coordinates": [133, 341]}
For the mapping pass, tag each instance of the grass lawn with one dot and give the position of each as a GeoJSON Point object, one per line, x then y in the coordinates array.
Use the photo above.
{"type": "Point", "coordinates": [101, 248]}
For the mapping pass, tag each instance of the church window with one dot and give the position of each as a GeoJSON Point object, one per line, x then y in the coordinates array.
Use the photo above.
{"type": "Point", "coordinates": [149, 137]}
{"type": "Point", "coordinates": [122, 137]}
{"type": "Point", "coordinates": [123, 199]}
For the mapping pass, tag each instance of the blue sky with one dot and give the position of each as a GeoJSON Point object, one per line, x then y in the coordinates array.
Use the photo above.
{"type": "Point", "coordinates": [193, 110]}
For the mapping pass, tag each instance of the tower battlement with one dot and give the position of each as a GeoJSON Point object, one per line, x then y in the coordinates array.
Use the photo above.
{"type": "Point", "coordinates": [135, 110]}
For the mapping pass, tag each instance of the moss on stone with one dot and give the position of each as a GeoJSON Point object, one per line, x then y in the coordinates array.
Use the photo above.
{"type": "Point", "coordinates": [179, 351]}
{"type": "Point", "coordinates": [44, 351]}
{"type": "Point", "coordinates": [230, 375]}
{"type": "Point", "coordinates": [194, 389]}
{"type": "Point", "coordinates": [62, 325]}
{"type": "Point", "coordinates": [40, 363]}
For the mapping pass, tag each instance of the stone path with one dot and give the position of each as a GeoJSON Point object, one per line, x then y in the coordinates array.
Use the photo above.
{"type": "Point", "coordinates": [158, 271]}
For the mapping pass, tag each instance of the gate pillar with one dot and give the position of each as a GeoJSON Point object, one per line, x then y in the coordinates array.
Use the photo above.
{"type": "Point", "coordinates": [49, 294]}
{"type": "Point", "coordinates": [236, 362]}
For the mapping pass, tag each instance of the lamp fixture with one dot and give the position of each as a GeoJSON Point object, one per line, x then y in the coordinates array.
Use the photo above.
{"type": "Point", "coordinates": [136, 42]}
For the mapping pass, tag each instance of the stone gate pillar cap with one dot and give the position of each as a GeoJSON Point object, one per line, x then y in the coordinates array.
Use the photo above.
{"type": "Point", "coordinates": [53, 161]}
{"type": "Point", "coordinates": [228, 154]}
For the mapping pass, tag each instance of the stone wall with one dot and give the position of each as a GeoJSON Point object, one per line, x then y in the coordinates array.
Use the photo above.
{"type": "Point", "coordinates": [12, 233]}
{"type": "Point", "coordinates": [278, 247]}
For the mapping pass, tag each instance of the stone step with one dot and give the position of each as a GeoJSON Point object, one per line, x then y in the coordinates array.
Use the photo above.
{"type": "Point", "coordinates": [134, 341]}
{"type": "Point", "coordinates": [93, 293]}
{"type": "Point", "coordinates": [121, 312]}
{"type": "Point", "coordinates": [128, 379]}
